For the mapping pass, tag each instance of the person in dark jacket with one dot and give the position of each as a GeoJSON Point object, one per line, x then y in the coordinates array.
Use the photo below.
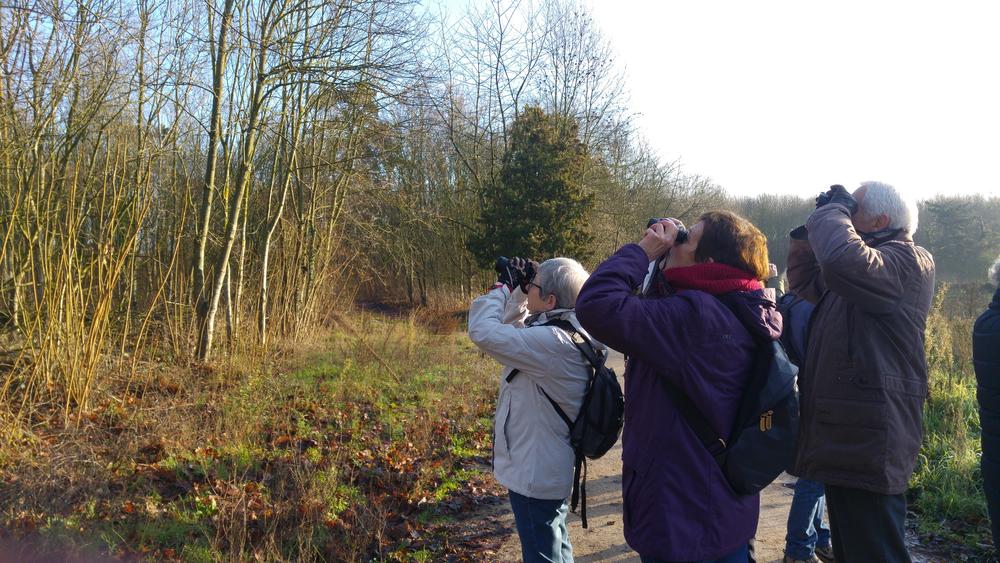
{"type": "Point", "coordinates": [677, 503]}
{"type": "Point", "coordinates": [986, 358]}
{"type": "Point", "coordinates": [864, 380]}
{"type": "Point", "coordinates": [808, 535]}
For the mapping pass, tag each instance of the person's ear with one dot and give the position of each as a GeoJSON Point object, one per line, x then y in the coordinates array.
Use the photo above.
{"type": "Point", "coordinates": [550, 302]}
{"type": "Point", "coordinates": [881, 222]}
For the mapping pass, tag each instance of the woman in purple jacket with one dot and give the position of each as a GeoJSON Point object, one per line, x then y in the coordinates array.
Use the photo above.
{"type": "Point", "coordinates": [678, 505]}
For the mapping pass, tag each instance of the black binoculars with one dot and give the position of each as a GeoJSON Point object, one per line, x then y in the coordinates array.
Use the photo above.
{"type": "Point", "coordinates": [682, 234]}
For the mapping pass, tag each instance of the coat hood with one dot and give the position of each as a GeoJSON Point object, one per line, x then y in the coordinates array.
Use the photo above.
{"type": "Point", "coordinates": [757, 311]}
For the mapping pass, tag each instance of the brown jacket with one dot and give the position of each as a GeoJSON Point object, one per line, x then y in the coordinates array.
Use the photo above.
{"type": "Point", "coordinates": [864, 379]}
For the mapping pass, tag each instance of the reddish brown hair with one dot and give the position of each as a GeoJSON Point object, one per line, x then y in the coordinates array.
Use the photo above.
{"type": "Point", "coordinates": [730, 239]}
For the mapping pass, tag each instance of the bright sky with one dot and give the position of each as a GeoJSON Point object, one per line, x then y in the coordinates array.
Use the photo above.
{"type": "Point", "coordinates": [792, 96]}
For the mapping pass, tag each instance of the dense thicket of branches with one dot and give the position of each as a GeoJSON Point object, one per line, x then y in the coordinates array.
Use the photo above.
{"type": "Point", "coordinates": [192, 175]}
{"type": "Point", "coordinates": [200, 174]}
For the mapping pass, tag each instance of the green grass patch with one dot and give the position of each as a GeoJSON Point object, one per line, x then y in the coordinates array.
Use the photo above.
{"type": "Point", "coordinates": [946, 486]}
{"type": "Point", "coordinates": [334, 454]}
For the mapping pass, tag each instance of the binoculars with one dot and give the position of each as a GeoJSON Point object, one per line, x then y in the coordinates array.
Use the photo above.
{"type": "Point", "coordinates": [682, 234]}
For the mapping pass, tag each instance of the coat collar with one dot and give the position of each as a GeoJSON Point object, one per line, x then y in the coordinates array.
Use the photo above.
{"type": "Point", "coordinates": [567, 315]}
{"type": "Point", "coordinates": [544, 317]}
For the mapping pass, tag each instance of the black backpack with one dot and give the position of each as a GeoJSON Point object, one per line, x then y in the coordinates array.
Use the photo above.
{"type": "Point", "coordinates": [762, 442]}
{"type": "Point", "coordinates": [598, 425]}
{"type": "Point", "coordinates": [796, 315]}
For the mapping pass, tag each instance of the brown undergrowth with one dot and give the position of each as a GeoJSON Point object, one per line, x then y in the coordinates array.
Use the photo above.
{"type": "Point", "coordinates": [366, 441]}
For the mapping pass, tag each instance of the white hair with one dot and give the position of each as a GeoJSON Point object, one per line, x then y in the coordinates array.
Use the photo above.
{"type": "Point", "coordinates": [995, 271]}
{"type": "Point", "coordinates": [883, 199]}
{"type": "Point", "coordinates": [562, 277]}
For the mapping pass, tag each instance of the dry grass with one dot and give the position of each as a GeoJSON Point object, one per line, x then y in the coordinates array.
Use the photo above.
{"type": "Point", "coordinates": [358, 442]}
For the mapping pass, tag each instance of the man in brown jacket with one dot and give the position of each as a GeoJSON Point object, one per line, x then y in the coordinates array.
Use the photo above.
{"type": "Point", "coordinates": [864, 380]}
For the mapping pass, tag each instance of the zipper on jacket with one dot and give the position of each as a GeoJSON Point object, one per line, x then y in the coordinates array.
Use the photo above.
{"type": "Point", "coordinates": [506, 417]}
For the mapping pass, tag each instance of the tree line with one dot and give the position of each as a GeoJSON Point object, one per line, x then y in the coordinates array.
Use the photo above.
{"type": "Point", "coordinates": [188, 177]}
{"type": "Point", "coordinates": [962, 232]}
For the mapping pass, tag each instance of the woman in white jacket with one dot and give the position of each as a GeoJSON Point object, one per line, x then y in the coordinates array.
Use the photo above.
{"type": "Point", "coordinates": [532, 455]}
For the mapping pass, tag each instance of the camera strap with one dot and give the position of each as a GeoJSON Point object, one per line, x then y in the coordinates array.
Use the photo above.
{"type": "Point", "coordinates": [876, 238]}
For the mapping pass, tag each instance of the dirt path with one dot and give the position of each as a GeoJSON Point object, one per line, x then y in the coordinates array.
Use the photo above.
{"type": "Point", "coordinates": [604, 540]}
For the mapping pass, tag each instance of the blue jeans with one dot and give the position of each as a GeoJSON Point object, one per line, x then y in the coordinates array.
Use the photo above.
{"type": "Point", "coordinates": [741, 555]}
{"type": "Point", "coordinates": [806, 529]}
{"type": "Point", "coordinates": [541, 526]}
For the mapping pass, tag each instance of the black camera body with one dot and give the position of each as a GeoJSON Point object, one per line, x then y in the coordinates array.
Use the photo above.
{"type": "Point", "coordinates": [682, 233]}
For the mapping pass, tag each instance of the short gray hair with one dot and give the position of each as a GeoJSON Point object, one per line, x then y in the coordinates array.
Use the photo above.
{"type": "Point", "coordinates": [883, 199]}
{"type": "Point", "coordinates": [562, 277]}
{"type": "Point", "coordinates": [995, 271]}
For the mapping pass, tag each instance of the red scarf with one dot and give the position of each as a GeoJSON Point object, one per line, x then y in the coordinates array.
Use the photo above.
{"type": "Point", "coordinates": [711, 277]}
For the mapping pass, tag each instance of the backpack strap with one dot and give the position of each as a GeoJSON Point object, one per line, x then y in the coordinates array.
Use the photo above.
{"type": "Point", "coordinates": [695, 418]}
{"type": "Point", "coordinates": [582, 343]}
{"type": "Point", "coordinates": [586, 347]}
{"type": "Point", "coordinates": [559, 411]}
{"type": "Point", "coordinates": [697, 421]}
{"type": "Point", "coordinates": [579, 487]}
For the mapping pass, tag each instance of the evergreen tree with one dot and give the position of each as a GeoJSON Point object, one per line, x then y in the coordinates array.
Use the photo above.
{"type": "Point", "coordinates": [538, 205]}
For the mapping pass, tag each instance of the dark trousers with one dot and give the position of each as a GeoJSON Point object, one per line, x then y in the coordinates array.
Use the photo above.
{"type": "Point", "coordinates": [866, 526]}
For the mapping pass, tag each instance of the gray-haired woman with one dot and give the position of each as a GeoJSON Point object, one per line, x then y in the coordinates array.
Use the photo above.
{"type": "Point", "coordinates": [532, 455]}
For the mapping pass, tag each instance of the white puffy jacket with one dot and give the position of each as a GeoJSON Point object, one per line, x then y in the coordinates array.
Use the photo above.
{"type": "Point", "coordinates": [531, 451]}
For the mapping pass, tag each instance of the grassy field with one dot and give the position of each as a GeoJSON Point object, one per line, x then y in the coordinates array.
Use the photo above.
{"type": "Point", "coordinates": [946, 491]}
{"type": "Point", "coordinates": [365, 441]}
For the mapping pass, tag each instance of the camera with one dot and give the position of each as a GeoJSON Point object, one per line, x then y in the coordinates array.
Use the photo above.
{"type": "Point", "coordinates": [682, 234]}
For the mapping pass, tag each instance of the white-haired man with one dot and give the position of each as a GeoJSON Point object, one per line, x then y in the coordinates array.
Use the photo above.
{"type": "Point", "coordinates": [986, 358]}
{"type": "Point", "coordinates": [532, 455]}
{"type": "Point", "coordinates": [864, 380]}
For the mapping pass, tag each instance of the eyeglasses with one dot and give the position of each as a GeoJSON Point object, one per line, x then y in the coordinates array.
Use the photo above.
{"type": "Point", "coordinates": [536, 285]}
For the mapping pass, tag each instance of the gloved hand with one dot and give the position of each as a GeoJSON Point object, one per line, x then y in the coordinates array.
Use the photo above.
{"type": "Point", "coordinates": [515, 272]}
{"type": "Point", "coordinates": [838, 194]}
{"type": "Point", "coordinates": [525, 270]}
{"type": "Point", "coordinates": [799, 233]}
{"type": "Point", "coordinates": [505, 272]}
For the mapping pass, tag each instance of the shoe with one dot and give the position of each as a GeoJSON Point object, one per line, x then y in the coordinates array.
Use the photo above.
{"type": "Point", "coordinates": [810, 559]}
{"type": "Point", "coordinates": [825, 554]}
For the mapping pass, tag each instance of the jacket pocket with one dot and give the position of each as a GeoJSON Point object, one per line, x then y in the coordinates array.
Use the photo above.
{"type": "Point", "coordinates": [904, 386]}
{"type": "Point", "coordinates": [849, 436]}
{"type": "Point", "coordinates": [633, 487]}
{"type": "Point", "coordinates": [501, 422]}
{"type": "Point", "coordinates": [854, 386]}
{"type": "Point", "coordinates": [506, 439]}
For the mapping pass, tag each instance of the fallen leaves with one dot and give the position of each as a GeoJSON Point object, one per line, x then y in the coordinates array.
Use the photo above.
{"type": "Point", "coordinates": [382, 471]}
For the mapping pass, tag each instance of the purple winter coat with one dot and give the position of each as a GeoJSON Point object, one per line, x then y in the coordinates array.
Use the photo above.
{"type": "Point", "coordinates": [678, 505]}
